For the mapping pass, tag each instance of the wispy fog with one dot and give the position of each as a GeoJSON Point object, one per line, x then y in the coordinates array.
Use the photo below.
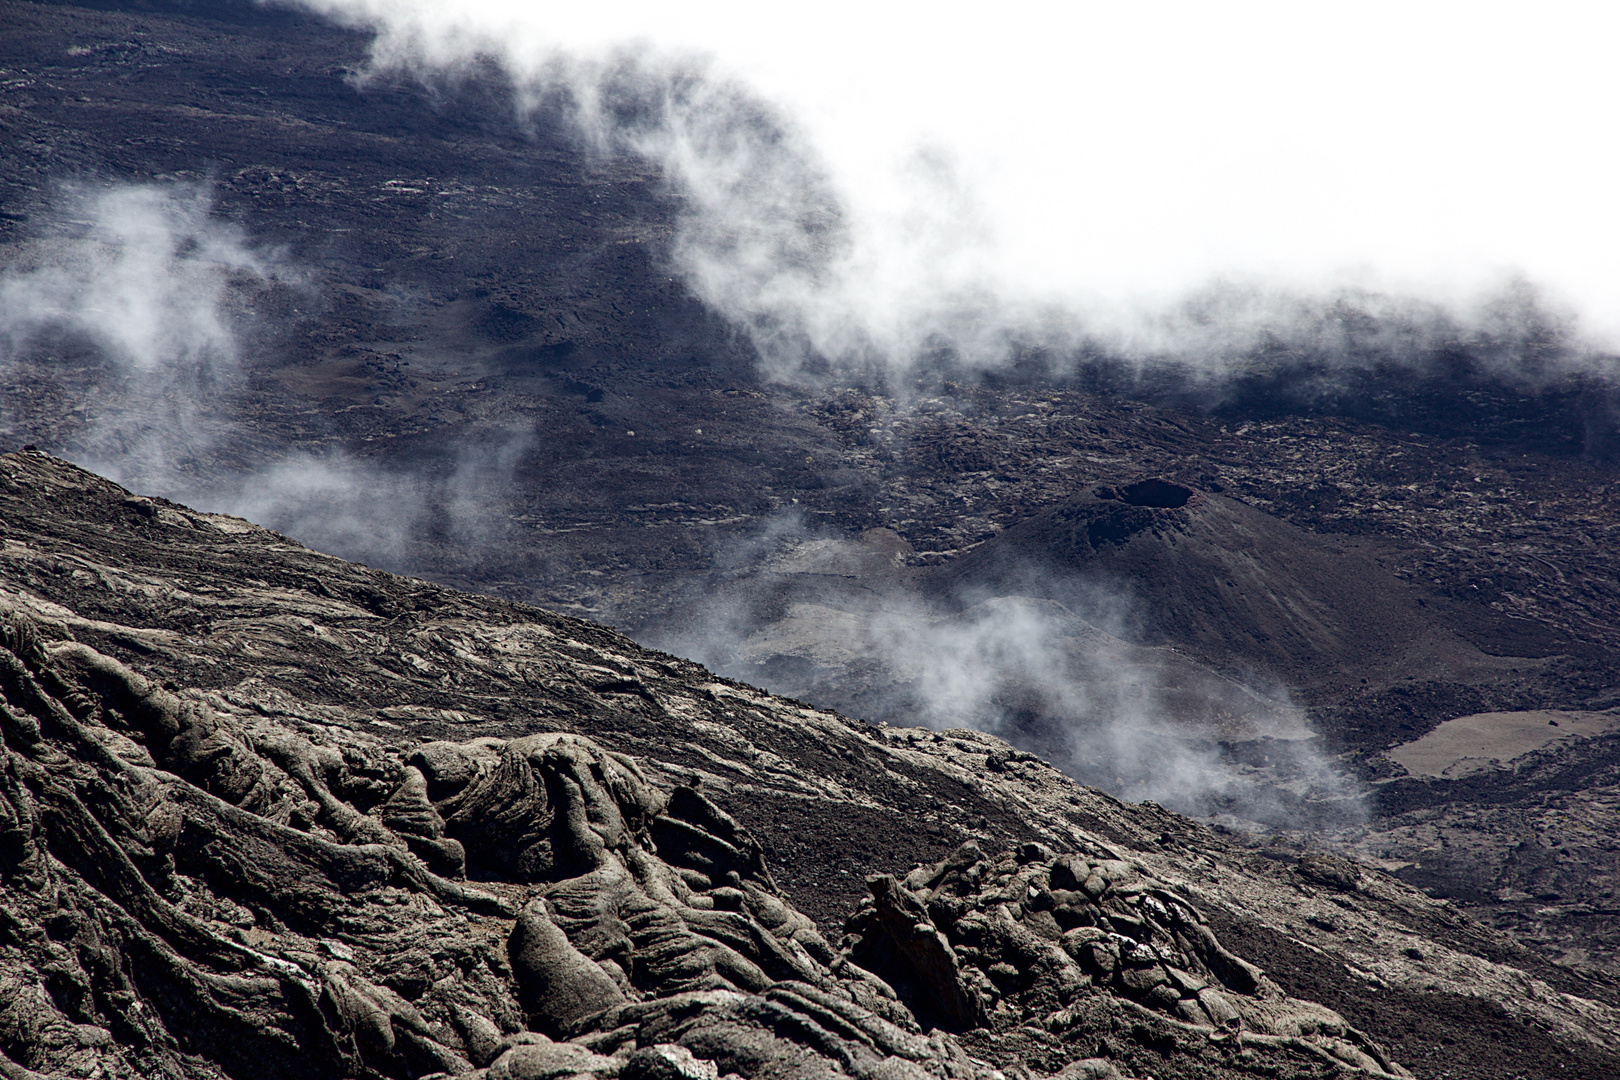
{"type": "Point", "coordinates": [128, 304]}
{"type": "Point", "coordinates": [386, 514]}
{"type": "Point", "coordinates": [142, 270]}
{"type": "Point", "coordinates": [842, 623]}
{"type": "Point", "coordinates": [332, 503]}
{"type": "Point", "coordinates": [135, 282]}
{"type": "Point", "coordinates": [871, 184]}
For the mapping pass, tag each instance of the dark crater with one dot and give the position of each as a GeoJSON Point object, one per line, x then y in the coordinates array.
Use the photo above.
{"type": "Point", "coordinates": [1160, 494]}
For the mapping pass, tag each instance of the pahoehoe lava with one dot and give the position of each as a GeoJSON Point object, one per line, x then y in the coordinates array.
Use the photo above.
{"type": "Point", "coordinates": [269, 813]}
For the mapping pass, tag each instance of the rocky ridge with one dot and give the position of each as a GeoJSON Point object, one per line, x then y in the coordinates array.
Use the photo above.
{"type": "Point", "coordinates": [270, 811]}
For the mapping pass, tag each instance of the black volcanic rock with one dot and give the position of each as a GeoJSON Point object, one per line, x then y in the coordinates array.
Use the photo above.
{"type": "Point", "coordinates": [266, 812]}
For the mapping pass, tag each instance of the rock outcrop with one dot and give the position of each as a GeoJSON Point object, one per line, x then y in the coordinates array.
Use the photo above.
{"type": "Point", "coordinates": [191, 894]}
{"type": "Point", "coordinates": [1063, 942]}
{"type": "Point", "coordinates": [263, 812]}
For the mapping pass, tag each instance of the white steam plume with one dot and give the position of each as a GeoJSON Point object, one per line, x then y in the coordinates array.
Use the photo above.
{"type": "Point", "coordinates": [136, 280]}
{"type": "Point", "coordinates": [331, 502]}
{"type": "Point", "coordinates": [131, 298]}
{"type": "Point", "coordinates": [814, 615]}
{"type": "Point", "coordinates": [1033, 672]}
{"type": "Point", "coordinates": [870, 182]}
{"type": "Point", "coordinates": [143, 273]}
{"type": "Point", "coordinates": [382, 514]}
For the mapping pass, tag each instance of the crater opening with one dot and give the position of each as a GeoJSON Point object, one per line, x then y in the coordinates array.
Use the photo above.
{"type": "Point", "coordinates": [1156, 493]}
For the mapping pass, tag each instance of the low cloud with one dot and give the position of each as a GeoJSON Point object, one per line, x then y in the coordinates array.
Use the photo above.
{"type": "Point", "coordinates": [130, 296]}
{"type": "Point", "coordinates": [141, 270]}
{"type": "Point", "coordinates": [873, 191]}
{"type": "Point", "coordinates": [840, 623]}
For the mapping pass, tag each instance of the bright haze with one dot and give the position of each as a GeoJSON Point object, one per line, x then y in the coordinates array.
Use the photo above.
{"type": "Point", "coordinates": [1100, 164]}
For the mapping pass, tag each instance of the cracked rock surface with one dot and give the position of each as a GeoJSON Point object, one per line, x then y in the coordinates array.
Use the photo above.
{"type": "Point", "coordinates": [460, 270]}
{"type": "Point", "coordinates": [269, 813]}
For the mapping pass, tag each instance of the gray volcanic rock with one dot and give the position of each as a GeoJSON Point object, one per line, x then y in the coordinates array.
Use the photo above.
{"type": "Point", "coordinates": [217, 903]}
{"type": "Point", "coordinates": [1030, 937]}
{"type": "Point", "coordinates": [266, 812]}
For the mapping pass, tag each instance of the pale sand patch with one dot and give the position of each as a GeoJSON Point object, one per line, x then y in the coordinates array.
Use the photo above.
{"type": "Point", "coordinates": [1470, 744]}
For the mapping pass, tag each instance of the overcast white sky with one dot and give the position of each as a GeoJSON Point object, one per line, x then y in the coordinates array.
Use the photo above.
{"type": "Point", "coordinates": [1133, 150]}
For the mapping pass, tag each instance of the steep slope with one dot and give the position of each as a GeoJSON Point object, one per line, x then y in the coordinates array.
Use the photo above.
{"type": "Point", "coordinates": [1236, 587]}
{"type": "Point", "coordinates": [273, 812]}
{"type": "Point", "coordinates": [483, 312]}
{"type": "Point", "coordinates": [475, 289]}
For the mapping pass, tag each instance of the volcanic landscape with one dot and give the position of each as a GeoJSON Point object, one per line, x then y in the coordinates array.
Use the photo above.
{"type": "Point", "coordinates": [608, 701]}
